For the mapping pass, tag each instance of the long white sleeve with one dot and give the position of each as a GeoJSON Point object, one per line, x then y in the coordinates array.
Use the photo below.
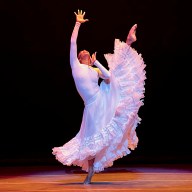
{"type": "Point", "coordinates": [73, 46]}
{"type": "Point", "coordinates": [75, 32]}
{"type": "Point", "coordinates": [105, 73]}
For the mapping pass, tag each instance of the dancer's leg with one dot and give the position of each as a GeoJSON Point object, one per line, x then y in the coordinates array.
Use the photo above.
{"type": "Point", "coordinates": [131, 37]}
{"type": "Point", "coordinates": [90, 172]}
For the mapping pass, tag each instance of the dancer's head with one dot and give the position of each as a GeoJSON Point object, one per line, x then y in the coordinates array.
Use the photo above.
{"type": "Point", "coordinates": [84, 57]}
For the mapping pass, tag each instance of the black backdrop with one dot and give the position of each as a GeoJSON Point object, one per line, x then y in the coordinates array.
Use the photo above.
{"type": "Point", "coordinates": [40, 108]}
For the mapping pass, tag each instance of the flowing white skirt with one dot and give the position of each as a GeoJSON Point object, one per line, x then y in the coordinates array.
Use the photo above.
{"type": "Point", "coordinates": [110, 118]}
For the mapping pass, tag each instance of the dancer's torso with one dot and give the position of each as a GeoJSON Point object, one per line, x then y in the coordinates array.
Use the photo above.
{"type": "Point", "coordinates": [86, 81]}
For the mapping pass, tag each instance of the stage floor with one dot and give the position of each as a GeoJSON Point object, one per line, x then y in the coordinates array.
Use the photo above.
{"type": "Point", "coordinates": [146, 178]}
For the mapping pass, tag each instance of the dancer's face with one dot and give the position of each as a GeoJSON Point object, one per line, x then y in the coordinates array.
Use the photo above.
{"type": "Point", "coordinates": [84, 57]}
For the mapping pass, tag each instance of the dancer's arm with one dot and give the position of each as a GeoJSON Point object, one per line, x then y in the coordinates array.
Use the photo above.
{"type": "Point", "coordinates": [73, 46]}
{"type": "Point", "coordinates": [103, 72]}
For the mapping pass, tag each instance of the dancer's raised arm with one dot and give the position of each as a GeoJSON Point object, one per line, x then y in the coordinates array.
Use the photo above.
{"type": "Point", "coordinates": [73, 47]}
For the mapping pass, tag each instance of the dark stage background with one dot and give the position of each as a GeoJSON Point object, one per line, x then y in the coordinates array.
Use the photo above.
{"type": "Point", "coordinates": [40, 107]}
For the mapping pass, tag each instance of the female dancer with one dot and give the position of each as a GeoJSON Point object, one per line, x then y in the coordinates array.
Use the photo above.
{"type": "Point", "coordinates": [110, 117]}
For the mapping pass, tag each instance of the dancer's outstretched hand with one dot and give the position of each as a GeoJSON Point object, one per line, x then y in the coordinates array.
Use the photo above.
{"type": "Point", "coordinates": [80, 16]}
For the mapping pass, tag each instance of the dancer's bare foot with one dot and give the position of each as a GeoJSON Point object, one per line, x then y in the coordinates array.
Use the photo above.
{"type": "Point", "coordinates": [88, 178]}
{"type": "Point", "coordinates": [90, 172]}
{"type": "Point", "coordinates": [87, 182]}
{"type": "Point", "coordinates": [132, 35]}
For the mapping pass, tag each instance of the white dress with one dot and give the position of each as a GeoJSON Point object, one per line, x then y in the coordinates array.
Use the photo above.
{"type": "Point", "coordinates": [110, 117]}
